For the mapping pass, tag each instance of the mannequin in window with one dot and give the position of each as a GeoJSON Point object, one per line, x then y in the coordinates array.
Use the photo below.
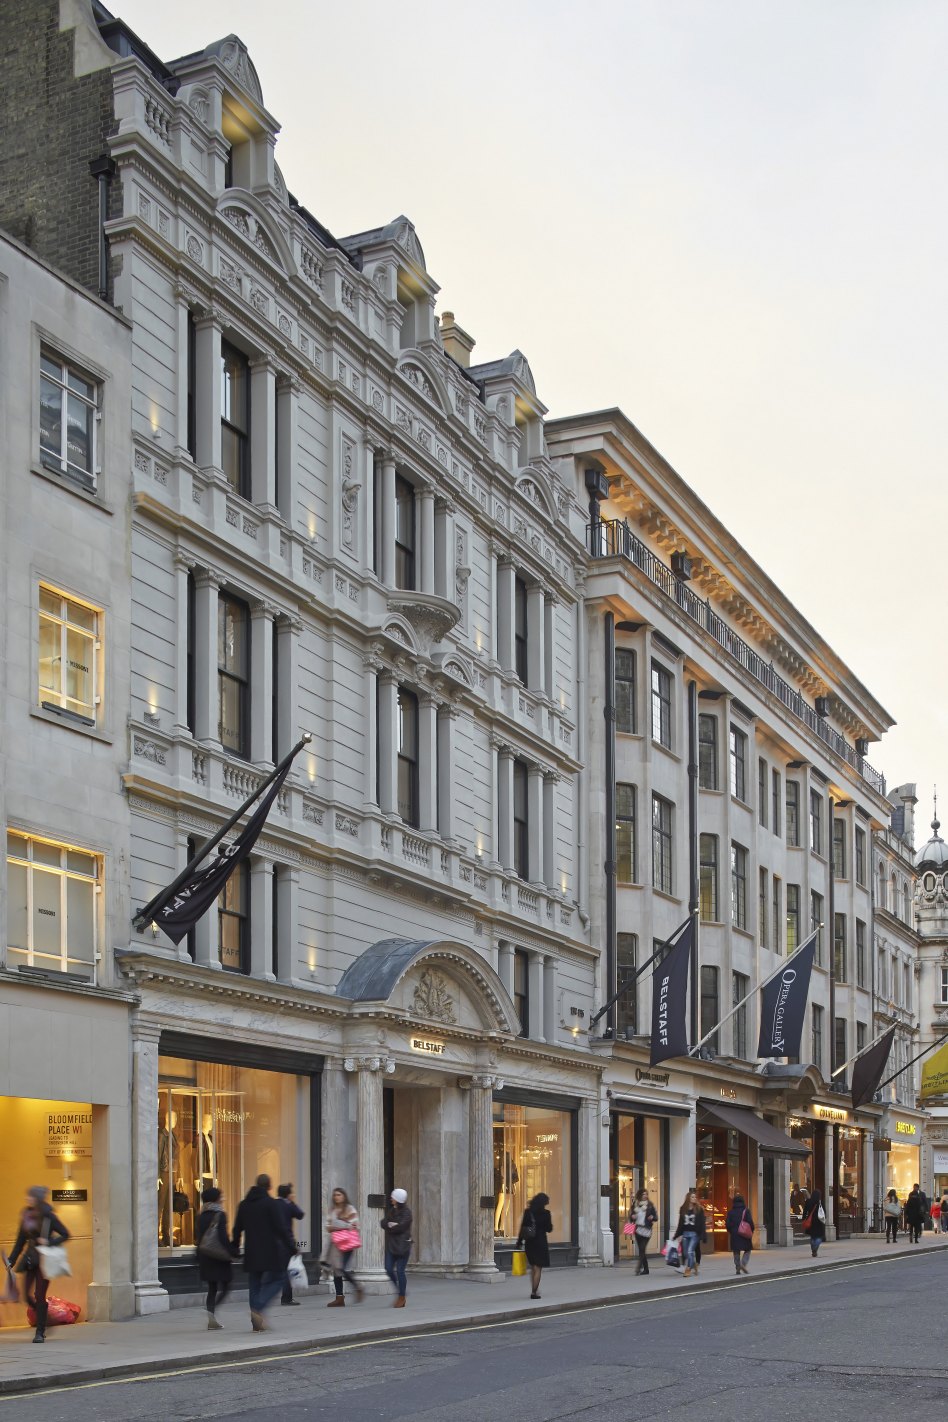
{"type": "Point", "coordinates": [167, 1159]}
{"type": "Point", "coordinates": [207, 1160]}
{"type": "Point", "coordinates": [506, 1176]}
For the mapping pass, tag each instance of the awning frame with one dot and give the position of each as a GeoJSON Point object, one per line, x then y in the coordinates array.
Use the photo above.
{"type": "Point", "coordinates": [770, 1139]}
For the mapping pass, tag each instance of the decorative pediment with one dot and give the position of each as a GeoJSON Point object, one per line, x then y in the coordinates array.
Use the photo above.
{"type": "Point", "coordinates": [437, 980]}
{"type": "Point", "coordinates": [403, 232]}
{"type": "Point", "coordinates": [246, 215]}
{"type": "Point", "coordinates": [532, 488]}
{"type": "Point", "coordinates": [233, 55]}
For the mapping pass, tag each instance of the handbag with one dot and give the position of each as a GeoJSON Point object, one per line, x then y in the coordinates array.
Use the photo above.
{"type": "Point", "coordinates": [180, 1203]}
{"type": "Point", "coordinates": [10, 1293]}
{"type": "Point", "coordinates": [628, 1229]}
{"type": "Point", "coordinates": [528, 1227]}
{"type": "Point", "coordinates": [211, 1245]}
{"type": "Point", "coordinates": [346, 1240]}
{"type": "Point", "coordinates": [745, 1228]}
{"type": "Point", "coordinates": [518, 1263]}
{"type": "Point", "coordinates": [59, 1312]}
{"type": "Point", "coordinates": [54, 1262]}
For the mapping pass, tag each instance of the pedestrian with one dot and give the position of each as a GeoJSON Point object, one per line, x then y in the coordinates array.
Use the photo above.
{"type": "Point", "coordinates": [342, 1226]}
{"type": "Point", "coordinates": [38, 1226]}
{"type": "Point", "coordinates": [936, 1215]}
{"type": "Point", "coordinates": [291, 1212]}
{"type": "Point", "coordinates": [740, 1226]}
{"type": "Point", "coordinates": [397, 1226]}
{"type": "Point", "coordinates": [215, 1253]}
{"type": "Point", "coordinates": [892, 1211]}
{"type": "Point", "coordinates": [692, 1230]}
{"type": "Point", "coordinates": [914, 1214]}
{"type": "Point", "coordinates": [643, 1215]}
{"type": "Point", "coordinates": [944, 1213]}
{"type": "Point", "coordinates": [814, 1221]}
{"type": "Point", "coordinates": [535, 1229]}
{"type": "Point", "coordinates": [268, 1247]}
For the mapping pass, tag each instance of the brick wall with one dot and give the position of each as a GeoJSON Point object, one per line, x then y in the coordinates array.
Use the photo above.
{"type": "Point", "coordinates": [51, 125]}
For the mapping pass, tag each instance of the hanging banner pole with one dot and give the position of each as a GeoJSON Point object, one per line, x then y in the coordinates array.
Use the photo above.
{"type": "Point", "coordinates": [668, 943]}
{"type": "Point", "coordinates": [917, 1058]}
{"type": "Point", "coordinates": [861, 1053]}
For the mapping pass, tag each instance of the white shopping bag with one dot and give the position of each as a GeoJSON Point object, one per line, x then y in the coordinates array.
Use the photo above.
{"type": "Point", "coordinates": [297, 1272]}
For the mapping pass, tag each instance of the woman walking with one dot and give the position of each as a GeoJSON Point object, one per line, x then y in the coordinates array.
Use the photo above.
{"type": "Point", "coordinates": [397, 1227]}
{"type": "Point", "coordinates": [215, 1253]}
{"type": "Point", "coordinates": [643, 1216]}
{"type": "Point", "coordinates": [692, 1230]}
{"type": "Point", "coordinates": [740, 1226]}
{"type": "Point", "coordinates": [342, 1226]}
{"type": "Point", "coordinates": [814, 1221]}
{"type": "Point", "coordinates": [536, 1225]}
{"type": "Point", "coordinates": [914, 1214]}
{"type": "Point", "coordinates": [38, 1226]}
{"type": "Point", "coordinates": [892, 1210]}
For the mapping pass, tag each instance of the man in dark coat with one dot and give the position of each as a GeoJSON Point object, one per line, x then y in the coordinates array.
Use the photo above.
{"type": "Point", "coordinates": [915, 1213]}
{"type": "Point", "coordinates": [268, 1247]}
{"type": "Point", "coordinates": [291, 1212]}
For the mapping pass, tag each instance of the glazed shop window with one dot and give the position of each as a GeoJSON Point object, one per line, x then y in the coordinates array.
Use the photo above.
{"type": "Point", "coordinates": [223, 1126]}
{"type": "Point", "coordinates": [51, 905]}
{"type": "Point", "coordinates": [532, 1153]}
{"type": "Point", "coordinates": [70, 649]}
{"type": "Point", "coordinates": [69, 414]}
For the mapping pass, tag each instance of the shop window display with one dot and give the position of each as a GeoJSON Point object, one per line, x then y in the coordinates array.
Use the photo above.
{"type": "Point", "coordinates": [801, 1173]}
{"type": "Point", "coordinates": [636, 1164]}
{"type": "Point", "coordinates": [850, 1200]}
{"type": "Point", "coordinates": [221, 1125]}
{"type": "Point", "coordinates": [723, 1171]}
{"type": "Point", "coordinates": [532, 1154]}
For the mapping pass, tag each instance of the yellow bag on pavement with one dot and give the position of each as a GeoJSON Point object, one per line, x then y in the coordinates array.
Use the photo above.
{"type": "Point", "coordinates": [518, 1265]}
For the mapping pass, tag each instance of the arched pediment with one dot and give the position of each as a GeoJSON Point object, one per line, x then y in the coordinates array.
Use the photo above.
{"type": "Point", "coordinates": [532, 486]}
{"type": "Point", "coordinates": [420, 373]}
{"type": "Point", "coordinates": [399, 629]}
{"type": "Point", "coordinates": [435, 977]}
{"type": "Point", "coordinates": [233, 55]}
{"type": "Point", "coordinates": [454, 666]}
{"type": "Point", "coordinates": [247, 215]}
{"type": "Point", "coordinates": [402, 231]}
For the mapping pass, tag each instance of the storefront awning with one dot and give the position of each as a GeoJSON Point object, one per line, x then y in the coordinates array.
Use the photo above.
{"type": "Point", "coordinates": [633, 1107]}
{"type": "Point", "coordinates": [741, 1118]}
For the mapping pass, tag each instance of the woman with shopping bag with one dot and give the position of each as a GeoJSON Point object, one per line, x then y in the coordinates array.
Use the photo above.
{"type": "Point", "coordinates": [642, 1217]}
{"type": "Point", "coordinates": [342, 1226]}
{"type": "Point", "coordinates": [40, 1242]}
{"type": "Point", "coordinates": [739, 1223]}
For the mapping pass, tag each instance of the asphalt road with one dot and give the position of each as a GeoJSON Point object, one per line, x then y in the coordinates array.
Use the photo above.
{"type": "Point", "coordinates": [855, 1344]}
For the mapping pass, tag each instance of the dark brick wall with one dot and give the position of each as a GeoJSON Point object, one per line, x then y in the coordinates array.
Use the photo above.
{"type": "Point", "coordinates": [51, 125]}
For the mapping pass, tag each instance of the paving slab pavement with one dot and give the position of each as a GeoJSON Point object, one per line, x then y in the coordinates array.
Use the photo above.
{"type": "Point", "coordinates": [179, 1339]}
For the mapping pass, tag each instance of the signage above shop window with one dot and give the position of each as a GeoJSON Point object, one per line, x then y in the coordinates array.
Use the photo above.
{"type": "Point", "coordinates": [728, 1093]}
{"type": "Point", "coordinates": [831, 1113]}
{"type": "Point", "coordinates": [881, 1143]}
{"type": "Point", "coordinates": [652, 1078]}
{"type": "Point", "coordinates": [906, 1128]}
{"type": "Point", "coordinates": [70, 1197]}
{"type": "Point", "coordinates": [427, 1047]}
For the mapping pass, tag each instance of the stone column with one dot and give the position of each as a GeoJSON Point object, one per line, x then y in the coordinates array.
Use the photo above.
{"type": "Point", "coordinates": [505, 762]}
{"type": "Point", "coordinates": [444, 549]}
{"type": "Point", "coordinates": [590, 1194]}
{"type": "Point", "coordinates": [535, 991]}
{"type": "Point", "coordinates": [428, 761]}
{"type": "Point", "coordinates": [287, 411]}
{"type": "Point", "coordinates": [535, 835]}
{"type": "Point", "coordinates": [182, 567]}
{"type": "Point", "coordinates": [182, 310]}
{"type": "Point", "coordinates": [550, 782]}
{"type": "Point", "coordinates": [206, 696]}
{"type": "Point", "coordinates": [288, 631]}
{"type": "Point", "coordinates": [536, 638]}
{"type": "Point", "coordinates": [261, 683]}
{"type": "Point", "coordinates": [370, 1169]}
{"type": "Point", "coordinates": [505, 965]}
{"type": "Point", "coordinates": [549, 612]}
{"type": "Point", "coordinates": [480, 1258]}
{"type": "Point", "coordinates": [447, 720]}
{"type": "Point", "coordinates": [505, 613]}
{"type": "Point", "coordinates": [387, 732]}
{"type": "Point", "coordinates": [261, 918]}
{"type": "Point", "coordinates": [387, 520]}
{"type": "Point", "coordinates": [263, 431]}
{"type": "Point", "coordinates": [288, 899]}
{"type": "Point", "coordinates": [207, 389]}
{"type": "Point", "coordinates": [150, 1296]}
{"type": "Point", "coordinates": [549, 999]}
{"type": "Point", "coordinates": [369, 504]}
{"type": "Point", "coordinates": [427, 539]}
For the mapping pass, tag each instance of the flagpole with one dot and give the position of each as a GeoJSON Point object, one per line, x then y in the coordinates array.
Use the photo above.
{"type": "Point", "coordinates": [861, 1053]}
{"type": "Point", "coordinates": [755, 989]}
{"type": "Point", "coordinates": [917, 1058]}
{"type": "Point", "coordinates": [639, 971]}
{"type": "Point", "coordinates": [144, 914]}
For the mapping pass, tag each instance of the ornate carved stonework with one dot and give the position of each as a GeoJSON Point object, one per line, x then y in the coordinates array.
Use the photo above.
{"type": "Point", "coordinates": [431, 617]}
{"type": "Point", "coordinates": [432, 999]}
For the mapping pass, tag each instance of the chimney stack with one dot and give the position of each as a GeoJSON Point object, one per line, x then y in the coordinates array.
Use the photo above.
{"type": "Point", "coordinates": [457, 343]}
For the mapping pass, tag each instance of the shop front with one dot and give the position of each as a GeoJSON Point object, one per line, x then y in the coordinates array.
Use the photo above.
{"type": "Point", "coordinates": [730, 1141]}
{"type": "Point", "coordinates": [534, 1151]}
{"type": "Point", "coordinates": [853, 1209]}
{"type": "Point", "coordinates": [903, 1159]}
{"type": "Point", "coordinates": [639, 1160]}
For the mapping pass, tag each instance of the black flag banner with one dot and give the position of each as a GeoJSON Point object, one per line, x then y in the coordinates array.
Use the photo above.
{"type": "Point", "coordinates": [783, 1005]}
{"type": "Point", "coordinates": [178, 909]}
{"type": "Point", "coordinates": [868, 1069]}
{"type": "Point", "coordinates": [669, 1000]}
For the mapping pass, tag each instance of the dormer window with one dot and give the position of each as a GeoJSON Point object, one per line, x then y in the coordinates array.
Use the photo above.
{"type": "Point", "coordinates": [530, 429]}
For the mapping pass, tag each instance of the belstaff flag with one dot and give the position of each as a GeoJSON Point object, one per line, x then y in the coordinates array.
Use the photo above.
{"type": "Point", "coordinates": [669, 1000]}
{"type": "Point", "coordinates": [783, 1005]}
{"type": "Point", "coordinates": [179, 907]}
{"type": "Point", "coordinates": [868, 1069]}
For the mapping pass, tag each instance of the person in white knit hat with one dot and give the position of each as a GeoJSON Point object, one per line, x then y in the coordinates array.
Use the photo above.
{"type": "Point", "coordinates": [397, 1227]}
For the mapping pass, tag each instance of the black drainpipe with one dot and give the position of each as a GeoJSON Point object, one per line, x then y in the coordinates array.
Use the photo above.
{"type": "Point", "coordinates": [831, 940]}
{"type": "Point", "coordinates": [103, 170]}
{"type": "Point", "coordinates": [609, 711]}
{"type": "Point", "coordinates": [693, 846]}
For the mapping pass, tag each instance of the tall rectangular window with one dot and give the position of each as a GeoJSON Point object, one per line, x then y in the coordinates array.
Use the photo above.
{"type": "Point", "coordinates": [775, 917]}
{"type": "Point", "coordinates": [235, 419]}
{"type": "Point", "coordinates": [944, 985]}
{"type": "Point", "coordinates": [775, 801]}
{"type": "Point", "coordinates": [907, 987]}
{"type": "Point", "coordinates": [233, 917]}
{"type": "Point", "coordinates": [69, 650]}
{"type": "Point", "coordinates": [793, 813]}
{"type": "Point", "coordinates": [860, 953]}
{"type": "Point", "coordinates": [627, 1004]}
{"type": "Point", "coordinates": [68, 410]}
{"type": "Point", "coordinates": [793, 918]}
{"type": "Point", "coordinates": [860, 1036]}
{"type": "Point", "coordinates": [763, 907]}
{"type": "Point", "coordinates": [738, 744]}
{"type": "Point", "coordinates": [275, 695]}
{"type": "Point", "coordinates": [521, 989]}
{"type": "Point", "coordinates": [192, 367]}
{"type": "Point", "coordinates": [816, 1028]}
{"type": "Point", "coordinates": [708, 752]}
{"type": "Point", "coordinates": [762, 791]}
{"type": "Point", "coordinates": [816, 918]}
{"type": "Point", "coordinates": [408, 797]}
{"type": "Point", "coordinates": [840, 955]}
{"type": "Point", "coordinates": [708, 877]}
{"type": "Point", "coordinates": [625, 690]}
{"type": "Point", "coordinates": [625, 834]}
{"type": "Point", "coordinates": [52, 892]}
{"type": "Point", "coordinates": [839, 848]}
{"type": "Point", "coordinates": [841, 1050]}
{"type": "Point", "coordinates": [190, 673]}
{"type": "Point", "coordinates": [233, 674]}
{"type": "Point", "coordinates": [661, 844]}
{"type": "Point", "coordinates": [661, 705]}
{"type": "Point", "coordinates": [738, 885]}
{"type": "Point", "coordinates": [521, 820]}
{"type": "Point", "coordinates": [882, 975]}
{"type": "Point", "coordinates": [740, 986]}
{"type": "Point", "coordinates": [521, 631]}
{"type": "Point", "coordinates": [405, 539]}
{"type": "Point", "coordinates": [710, 1012]}
{"type": "Point", "coordinates": [816, 822]}
{"type": "Point", "coordinates": [860, 856]}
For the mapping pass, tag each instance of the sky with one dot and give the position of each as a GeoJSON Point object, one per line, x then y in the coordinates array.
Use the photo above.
{"type": "Point", "coordinates": [727, 217]}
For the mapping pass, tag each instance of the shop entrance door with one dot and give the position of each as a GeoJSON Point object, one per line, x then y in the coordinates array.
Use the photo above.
{"type": "Point", "coordinates": [637, 1160]}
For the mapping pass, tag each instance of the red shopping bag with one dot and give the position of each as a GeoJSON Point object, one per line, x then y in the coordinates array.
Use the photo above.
{"type": "Point", "coordinates": [60, 1311]}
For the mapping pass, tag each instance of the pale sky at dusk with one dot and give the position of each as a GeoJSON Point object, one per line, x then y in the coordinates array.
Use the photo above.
{"type": "Point", "coordinates": [726, 216]}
